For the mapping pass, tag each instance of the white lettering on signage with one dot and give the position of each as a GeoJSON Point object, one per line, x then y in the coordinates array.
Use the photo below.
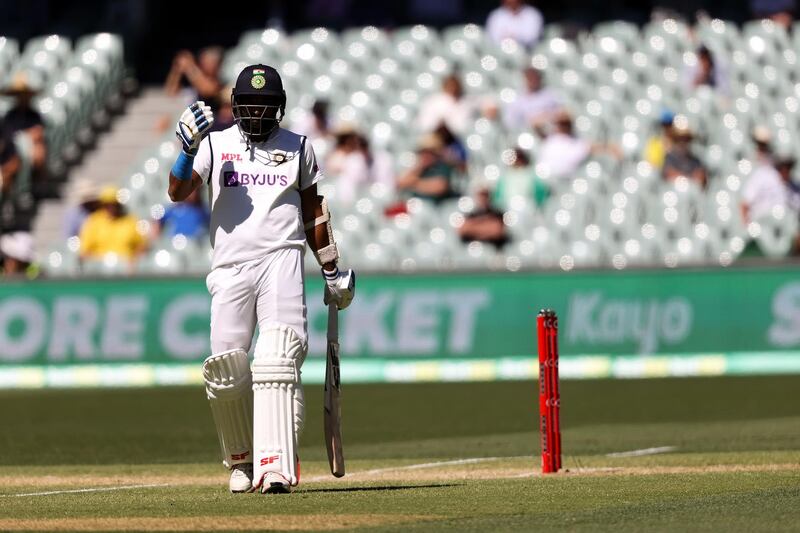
{"type": "Point", "coordinates": [649, 323]}
{"type": "Point", "coordinates": [174, 337]}
{"type": "Point", "coordinates": [785, 329]}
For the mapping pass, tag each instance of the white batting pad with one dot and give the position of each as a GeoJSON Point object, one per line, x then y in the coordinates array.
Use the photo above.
{"type": "Point", "coordinates": [230, 392]}
{"type": "Point", "coordinates": [278, 403]}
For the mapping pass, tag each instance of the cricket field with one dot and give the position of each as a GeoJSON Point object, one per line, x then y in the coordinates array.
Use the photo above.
{"type": "Point", "coordinates": [693, 454]}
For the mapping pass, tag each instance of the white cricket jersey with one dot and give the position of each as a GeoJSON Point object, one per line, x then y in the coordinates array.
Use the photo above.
{"type": "Point", "coordinates": [255, 192]}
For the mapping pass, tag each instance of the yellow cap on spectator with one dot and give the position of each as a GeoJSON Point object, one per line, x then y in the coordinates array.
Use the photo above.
{"type": "Point", "coordinates": [108, 195]}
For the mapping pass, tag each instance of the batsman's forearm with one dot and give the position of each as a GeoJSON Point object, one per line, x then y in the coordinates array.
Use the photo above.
{"type": "Point", "coordinates": [317, 238]}
{"type": "Point", "coordinates": [178, 189]}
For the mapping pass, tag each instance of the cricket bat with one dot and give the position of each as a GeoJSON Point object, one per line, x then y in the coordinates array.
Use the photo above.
{"type": "Point", "coordinates": [333, 391]}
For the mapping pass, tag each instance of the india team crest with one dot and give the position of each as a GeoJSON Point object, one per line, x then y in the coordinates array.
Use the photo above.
{"type": "Point", "coordinates": [258, 81]}
{"type": "Point", "coordinates": [278, 157]}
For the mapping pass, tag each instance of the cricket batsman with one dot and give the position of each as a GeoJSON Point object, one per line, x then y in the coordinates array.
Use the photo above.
{"type": "Point", "coordinates": [264, 210]}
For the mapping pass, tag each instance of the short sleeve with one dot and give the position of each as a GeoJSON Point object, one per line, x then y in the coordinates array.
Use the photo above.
{"type": "Point", "coordinates": [751, 188]}
{"type": "Point", "coordinates": [204, 159]}
{"type": "Point", "coordinates": [310, 173]}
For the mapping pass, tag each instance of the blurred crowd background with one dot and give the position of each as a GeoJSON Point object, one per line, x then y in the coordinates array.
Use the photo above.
{"type": "Point", "coordinates": [454, 134]}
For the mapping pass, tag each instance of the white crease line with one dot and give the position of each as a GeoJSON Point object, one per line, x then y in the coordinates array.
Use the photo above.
{"type": "Point", "coordinates": [413, 467]}
{"type": "Point", "coordinates": [76, 491]}
{"type": "Point", "coordinates": [643, 451]}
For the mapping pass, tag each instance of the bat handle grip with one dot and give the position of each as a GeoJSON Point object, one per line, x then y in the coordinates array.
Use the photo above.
{"type": "Point", "coordinates": [333, 322]}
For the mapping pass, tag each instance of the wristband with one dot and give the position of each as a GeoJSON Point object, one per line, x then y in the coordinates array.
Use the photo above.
{"type": "Point", "coordinates": [331, 275]}
{"type": "Point", "coordinates": [182, 169]}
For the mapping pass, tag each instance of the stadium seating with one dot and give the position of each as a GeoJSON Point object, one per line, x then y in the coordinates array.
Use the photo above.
{"type": "Point", "coordinates": [615, 80]}
{"type": "Point", "coordinates": [75, 81]}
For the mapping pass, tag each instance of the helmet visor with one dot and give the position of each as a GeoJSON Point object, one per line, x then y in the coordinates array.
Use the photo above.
{"type": "Point", "coordinates": [257, 116]}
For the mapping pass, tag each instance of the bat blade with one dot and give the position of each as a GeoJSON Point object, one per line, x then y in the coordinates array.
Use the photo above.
{"type": "Point", "coordinates": [332, 404]}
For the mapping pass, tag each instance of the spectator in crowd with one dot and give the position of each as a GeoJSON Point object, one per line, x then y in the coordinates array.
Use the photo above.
{"type": "Point", "coordinates": [453, 152]}
{"type": "Point", "coordinates": [532, 107]}
{"type": "Point", "coordinates": [484, 223]}
{"type": "Point", "coordinates": [223, 119]}
{"type": "Point", "coordinates": [520, 181]}
{"type": "Point", "coordinates": [770, 186]}
{"type": "Point", "coordinates": [189, 218]}
{"type": "Point", "coordinates": [449, 106]}
{"type": "Point", "coordinates": [348, 164]}
{"type": "Point", "coordinates": [110, 230]}
{"type": "Point", "coordinates": [201, 73]}
{"type": "Point", "coordinates": [86, 195]}
{"type": "Point", "coordinates": [659, 144]}
{"type": "Point", "coordinates": [22, 118]}
{"type": "Point", "coordinates": [562, 152]}
{"type": "Point", "coordinates": [762, 138]}
{"type": "Point", "coordinates": [431, 176]}
{"type": "Point", "coordinates": [17, 253]}
{"type": "Point", "coordinates": [380, 162]}
{"type": "Point", "coordinates": [680, 161]}
{"type": "Point", "coordinates": [779, 11]}
{"type": "Point", "coordinates": [9, 162]}
{"type": "Point", "coordinates": [9, 167]}
{"type": "Point", "coordinates": [317, 127]}
{"type": "Point", "coordinates": [706, 73]}
{"type": "Point", "coordinates": [517, 21]}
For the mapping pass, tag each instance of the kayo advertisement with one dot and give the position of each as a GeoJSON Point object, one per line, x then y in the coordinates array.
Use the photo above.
{"type": "Point", "coordinates": [675, 312]}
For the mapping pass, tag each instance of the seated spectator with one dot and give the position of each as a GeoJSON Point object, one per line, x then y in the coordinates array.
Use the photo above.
{"type": "Point", "coordinates": [348, 165]}
{"type": "Point", "coordinates": [110, 230]}
{"type": "Point", "coordinates": [453, 152]}
{"type": "Point", "coordinates": [316, 126]}
{"type": "Point", "coordinates": [86, 194]}
{"type": "Point", "coordinates": [202, 74]}
{"type": "Point", "coordinates": [658, 145]}
{"type": "Point", "coordinates": [449, 107]}
{"type": "Point", "coordinates": [17, 253]}
{"type": "Point", "coordinates": [484, 223]}
{"type": "Point", "coordinates": [520, 180]}
{"type": "Point", "coordinates": [762, 138]}
{"type": "Point", "coordinates": [779, 11]}
{"type": "Point", "coordinates": [431, 175]}
{"type": "Point", "coordinates": [9, 162]}
{"type": "Point", "coordinates": [9, 168]}
{"type": "Point", "coordinates": [770, 186]}
{"type": "Point", "coordinates": [223, 118]}
{"type": "Point", "coordinates": [706, 72]}
{"type": "Point", "coordinates": [22, 118]}
{"type": "Point", "coordinates": [533, 106]}
{"type": "Point", "coordinates": [680, 161]}
{"type": "Point", "coordinates": [380, 162]}
{"type": "Point", "coordinates": [562, 152]}
{"type": "Point", "coordinates": [517, 21]}
{"type": "Point", "coordinates": [189, 217]}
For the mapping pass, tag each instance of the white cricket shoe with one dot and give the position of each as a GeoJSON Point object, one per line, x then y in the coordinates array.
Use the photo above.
{"type": "Point", "coordinates": [274, 483]}
{"type": "Point", "coordinates": [241, 478]}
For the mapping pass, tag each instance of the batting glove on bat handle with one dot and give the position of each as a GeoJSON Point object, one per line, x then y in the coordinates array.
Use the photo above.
{"type": "Point", "coordinates": [193, 125]}
{"type": "Point", "coordinates": [340, 287]}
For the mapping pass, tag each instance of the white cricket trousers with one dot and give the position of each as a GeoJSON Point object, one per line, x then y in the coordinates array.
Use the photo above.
{"type": "Point", "coordinates": [265, 291]}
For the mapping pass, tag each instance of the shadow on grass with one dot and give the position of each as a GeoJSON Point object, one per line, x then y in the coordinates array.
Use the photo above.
{"type": "Point", "coordinates": [388, 487]}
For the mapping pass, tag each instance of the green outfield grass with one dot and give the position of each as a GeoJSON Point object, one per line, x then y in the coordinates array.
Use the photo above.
{"type": "Point", "coordinates": [734, 464]}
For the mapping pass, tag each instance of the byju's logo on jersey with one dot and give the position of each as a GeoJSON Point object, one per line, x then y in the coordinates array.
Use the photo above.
{"type": "Point", "coordinates": [232, 178]}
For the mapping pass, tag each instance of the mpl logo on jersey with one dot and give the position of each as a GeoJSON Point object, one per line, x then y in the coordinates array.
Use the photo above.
{"type": "Point", "coordinates": [233, 178]}
{"type": "Point", "coordinates": [230, 157]}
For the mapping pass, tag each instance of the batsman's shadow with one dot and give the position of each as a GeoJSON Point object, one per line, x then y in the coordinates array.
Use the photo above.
{"type": "Point", "coordinates": [233, 205]}
{"type": "Point", "coordinates": [379, 488]}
